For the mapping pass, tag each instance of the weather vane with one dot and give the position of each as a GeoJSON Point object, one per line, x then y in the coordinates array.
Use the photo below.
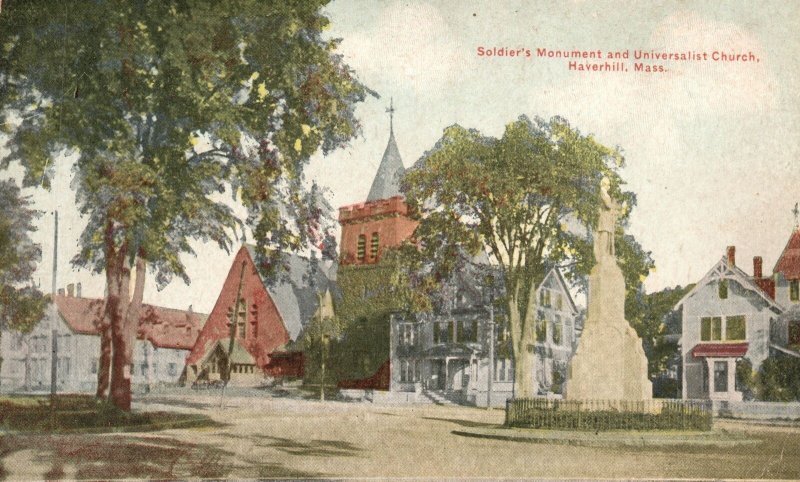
{"type": "Point", "coordinates": [390, 110]}
{"type": "Point", "coordinates": [796, 212]}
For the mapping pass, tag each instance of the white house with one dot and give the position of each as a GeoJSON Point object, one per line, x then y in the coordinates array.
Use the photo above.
{"type": "Point", "coordinates": [447, 353]}
{"type": "Point", "coordinates": [164, 340]}
{"type": "Point", "coordinates": [727, 316]}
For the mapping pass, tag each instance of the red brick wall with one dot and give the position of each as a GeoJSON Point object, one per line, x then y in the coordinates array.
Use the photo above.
{"type": "Point", "coordinates": [387, 217]}
{"type": "Point", "coordinates": [265, 329]}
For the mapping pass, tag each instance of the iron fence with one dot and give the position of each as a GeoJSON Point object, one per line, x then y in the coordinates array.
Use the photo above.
{"type": "Point", "coordinates": [657, 414]}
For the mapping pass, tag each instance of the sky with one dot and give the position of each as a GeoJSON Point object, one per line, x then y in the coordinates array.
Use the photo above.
{"type": "Point", "coordinates": [712, 148]}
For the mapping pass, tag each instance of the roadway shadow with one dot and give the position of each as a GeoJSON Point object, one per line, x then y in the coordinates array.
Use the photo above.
{"type": "Point", "coordinates": [131, 457]}
{"type": "Point", "coordinates": [464, 423]}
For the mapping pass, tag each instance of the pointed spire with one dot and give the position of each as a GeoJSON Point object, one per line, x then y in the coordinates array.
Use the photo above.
{"type": "Point", "coordinates": [796, 212]}
{"type": "Point", "coordinates": [390, 111]}
{"type": "Point", "coordinates": [390, 172]}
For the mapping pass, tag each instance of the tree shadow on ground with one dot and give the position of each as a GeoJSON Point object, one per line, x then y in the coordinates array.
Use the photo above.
{"type": "Point", "coordinates": [126, 457]}
{"type": "Point", "coordinates": [464, 423]}
{"type": "Point", "coordinates": [318, 448]}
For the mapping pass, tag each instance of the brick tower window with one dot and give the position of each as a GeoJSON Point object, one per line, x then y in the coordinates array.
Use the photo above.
{"type": "Point", "coordinates": [362, 247]}
{"type": "Point", "coordinates": [373, 247]}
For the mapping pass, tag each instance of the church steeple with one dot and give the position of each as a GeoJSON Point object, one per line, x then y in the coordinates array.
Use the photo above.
{"type": "Point", "coordinates": [390, 172]}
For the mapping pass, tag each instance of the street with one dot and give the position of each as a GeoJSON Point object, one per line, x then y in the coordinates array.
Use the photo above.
{"type": "Point", "coordinates": [287, 438]}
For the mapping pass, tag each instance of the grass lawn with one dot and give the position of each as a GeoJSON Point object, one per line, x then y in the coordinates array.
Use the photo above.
{"type": "Point", "coordinates": [83, 413]}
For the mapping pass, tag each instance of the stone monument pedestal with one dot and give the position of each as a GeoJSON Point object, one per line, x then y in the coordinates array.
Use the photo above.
{"type": "Point", "coordinates": [609, 363]}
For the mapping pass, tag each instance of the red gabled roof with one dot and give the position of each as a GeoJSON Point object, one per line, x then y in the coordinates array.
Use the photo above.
{"type": "Point", "coordinates": [789, 262]}
{"type": "Point", "coordinates": [720, 349]}
{"type": "Point", "coordinates": [163, 327]}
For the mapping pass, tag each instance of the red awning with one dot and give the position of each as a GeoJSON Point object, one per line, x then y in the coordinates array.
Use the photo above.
{"type": "Point", "coordinates": [720, 349]}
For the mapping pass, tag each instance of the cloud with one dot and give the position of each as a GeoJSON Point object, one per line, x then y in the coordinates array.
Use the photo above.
{"type": "Point", "coordinates": [408, 44]}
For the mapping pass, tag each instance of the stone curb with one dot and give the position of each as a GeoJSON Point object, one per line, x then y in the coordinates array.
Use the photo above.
{"type": "Point", "coordinates": [609, 439]}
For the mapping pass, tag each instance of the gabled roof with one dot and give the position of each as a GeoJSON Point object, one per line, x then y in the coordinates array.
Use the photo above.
{"type": "Point", "coordinates": [239, 354]}
{"type": "Point", "coordinates": [390, 173]}
{"type": "Point", "coordinates": [163, 327]}
{"type": "Point", "coordinates": [789, 262]}
{"type": "Point", "coordinates": [296, 293]}
{"type": "Point", "coordinates": [556, 273]}
{"type": "Point", "coordinates": [724, 271]}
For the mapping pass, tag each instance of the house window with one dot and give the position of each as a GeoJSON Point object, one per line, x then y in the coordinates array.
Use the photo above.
{"type": "Point", "coordinates": [711, 328]}
{"type": "Point", "coordinates": [794, 290]}
{"type": "Point", "coordinates": [468, 331]}
{"type": "Point", "coordinates": [794, 332]}
{"type": "Point", "coordinates": [541, 329]}
{"type": "Point", "coordinates": [559, 302]}
{"type": "Point", "coordinates": [373, 246]}
{"type": "Point", "coordinates": [720, 376]}
{"type": "Point", "coordinates": [93, 366]}
{"type": "Point", "coordinates": [557, 330]}
{"type": "Point", "coordinates": [407, 334]}
{"type": "Point", "coordinates": [442, 332]}
{"type": "Point", "coordinates": [362, 247]}
{"type": "Point", "coordinates": [735, 328]}
{"type": "Point", "coordinates": [544, 297]}
{"type": "Point", "coordinates": [723, 289]}
{"type": "Point", "coordinates": [500, 370]}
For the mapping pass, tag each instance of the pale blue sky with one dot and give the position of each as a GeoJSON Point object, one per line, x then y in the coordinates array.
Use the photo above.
{"type": "Point", "coordinates": [712, 148]}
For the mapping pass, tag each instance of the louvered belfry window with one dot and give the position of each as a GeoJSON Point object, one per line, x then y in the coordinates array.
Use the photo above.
{"type": "Point", "coordinates": [373, 247]}
{"type": "Point", "coordinates": [362, 247]}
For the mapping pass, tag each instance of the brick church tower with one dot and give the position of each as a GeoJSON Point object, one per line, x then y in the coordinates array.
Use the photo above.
{"type": "Point", "coordinates": [382, 221]}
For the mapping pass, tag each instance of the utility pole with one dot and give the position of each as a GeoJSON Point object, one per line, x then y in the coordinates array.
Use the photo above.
{"type": "Point", "coordinates": [54, 332]}
{"type": "Point", "coordinates": [490, 378]}
{"type": "Point", "coordinates": [325, 341]}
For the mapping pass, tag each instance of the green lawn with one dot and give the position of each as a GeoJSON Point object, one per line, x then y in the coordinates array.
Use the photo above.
{"type": "Point", "coordinates": [83, 413]}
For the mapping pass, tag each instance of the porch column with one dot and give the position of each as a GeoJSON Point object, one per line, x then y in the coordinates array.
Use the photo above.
{"type": "Point", "coordinates": [710, 370]}
{"type": "Point", "coordinates": [446, 374]}
{"type": "Point", "coordinates": [731, 378]}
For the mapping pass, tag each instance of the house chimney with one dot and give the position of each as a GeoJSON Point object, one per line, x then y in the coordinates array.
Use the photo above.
{"type": "Point", "coordinates": [78, 290]}
{"type": "Point", "coordinates": [61, 292]}
{"type": "Point", "coordinates": [71, 290]}
{"type": "Point", "coordinates": [731, 256]}
{"type": "Point", "coordinates": [757, 267]}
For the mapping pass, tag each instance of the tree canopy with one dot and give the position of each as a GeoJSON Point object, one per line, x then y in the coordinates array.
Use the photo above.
{"type": "Point", "coordinates": [168, 105]}
{"type": "Point", "coordinates": [21, 304]}
{"type": "Point", "coordinates": [527, 199]}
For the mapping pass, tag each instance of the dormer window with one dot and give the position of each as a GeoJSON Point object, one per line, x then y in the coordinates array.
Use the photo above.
{"type": "Point", "coordinates": [723, 289]}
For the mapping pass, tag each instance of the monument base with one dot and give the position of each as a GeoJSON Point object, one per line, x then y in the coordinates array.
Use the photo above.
{"type": "Point", "coordinates": [609, 363]}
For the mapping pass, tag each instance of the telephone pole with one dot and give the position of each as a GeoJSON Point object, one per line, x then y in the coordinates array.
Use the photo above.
{"type": "Point", "coordinates": [54, 333]}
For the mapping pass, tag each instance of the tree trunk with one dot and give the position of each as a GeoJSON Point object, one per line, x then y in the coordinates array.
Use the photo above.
{"type": "Point", "coordinates": [521, 336]}
{"type": "Point", "coordinates": [104, 362]}
{"type": "Point", "coordinates": [121, 371]}
{"type": "Point", "coordinates": [124, 331]}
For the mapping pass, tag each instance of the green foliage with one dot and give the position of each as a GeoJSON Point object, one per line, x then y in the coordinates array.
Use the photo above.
{"type": "Point", "coordinates": [745, 378]}
{"type": "Point", "coordinates": [168, 103]}
{"type": "Point", "coordinates": [778, 379]}
{"type": "Point", "coordinates": [649, 314]}
{"type": "Point", "coordinates": [597, 416]}
{"type": "Point", "coordinates": [21, 307]}
{"type": "Point", "coordinates": [514, 197]}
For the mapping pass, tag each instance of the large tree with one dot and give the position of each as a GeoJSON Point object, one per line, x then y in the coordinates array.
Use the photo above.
{"type": "Point", "coordinates": [516, 197]}
{"type": "Point", "coordinates": [21, 304]}
{"type": "Point", "coordinates": [168, 104]}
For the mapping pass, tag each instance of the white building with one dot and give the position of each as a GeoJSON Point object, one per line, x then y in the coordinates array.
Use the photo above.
{"type": "Point", "coordinates": [730, 315]}
{"type": "Point", "coordinates": [164, 340]}
{"type": "Point", "coordinates": [447, 353]}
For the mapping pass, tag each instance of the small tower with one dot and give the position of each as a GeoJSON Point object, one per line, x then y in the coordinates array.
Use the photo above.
{"type": "Point", "coordinates": [382, 221]}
